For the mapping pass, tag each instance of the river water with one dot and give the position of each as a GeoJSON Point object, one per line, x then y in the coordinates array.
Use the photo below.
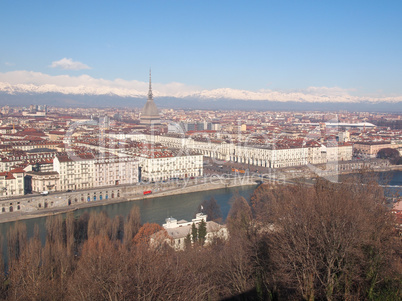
{"type": "Point", "coordinates": [390, 180]}
{"type": "Point", "coordinates": [183, 206]}
{"type": "Point", "coordinates": [395, 179]}
{"type": "Point", "coordinates": [153, 210]}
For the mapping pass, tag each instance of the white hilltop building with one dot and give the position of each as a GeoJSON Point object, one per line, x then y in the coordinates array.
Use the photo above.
{"type": "Point", "coordinates": [178, 231]}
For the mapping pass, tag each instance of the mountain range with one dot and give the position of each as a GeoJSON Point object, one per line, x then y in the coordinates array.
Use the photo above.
{"type": "Point", "coordinates": [313, 98]}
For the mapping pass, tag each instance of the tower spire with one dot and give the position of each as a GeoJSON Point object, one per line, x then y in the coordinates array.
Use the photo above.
{"type": "Point", "coordinates": [150, 114]}
{"type": "Point", "coordinates": [150, 86]}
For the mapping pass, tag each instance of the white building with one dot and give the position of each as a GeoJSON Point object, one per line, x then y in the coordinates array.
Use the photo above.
{"type": "Point", "coordinates": [87, 172]}
{"type": "Point", "coordinates": [339, 153]}
{"type": "Point", "coordinates": [289, 157]}
{"type": "Point", "coordinates": [43, 180]}
{"type": "Point", "coordinates": [12, 183]}
{"type": "Point", "coordinates": [258, 155]}
{"type": "Point", "coordinates": [317, 154]}
{"type": "Point", "coordinates": [75, 174]}
{"type": "Point", "coordinates": [8, 163]}
{"type": "Point", "coordinates": [344, 136]}
{"type": "Point", "coordinates": [178, 231]}
{"type": "Point", "coordinates": [115, 171]}
{"type": "Point", "coordinates": [159, 168]}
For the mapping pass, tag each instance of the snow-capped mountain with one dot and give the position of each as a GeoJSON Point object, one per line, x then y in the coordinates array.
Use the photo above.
{"type": "Point", "coordinates": [28, 82]}
{"type": "Point", "coordinates": [78, 90]}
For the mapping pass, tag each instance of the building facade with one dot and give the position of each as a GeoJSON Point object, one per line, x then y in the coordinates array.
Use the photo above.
{"type": "Point", "coordinates": [164, 168]}
{"type": "Point", "coordinates": [179, 231]}
{"type": "Point", "coordinates": [41, 181]}
{"type": "Point", "coordinates": [257, 155]}
{"type": "Point", "coordinates": [12, 183]}
{"type": "Point", "coordinates": [75, 174]}
{"type": "Point", "coordinates": [370, 149]}
{"type": "Point", "coordinates": [115, 171]}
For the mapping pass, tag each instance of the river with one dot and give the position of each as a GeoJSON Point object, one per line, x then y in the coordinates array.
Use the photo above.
{"type": "Point", "coordinates": [390, 180]}
{"type": "Point", "coordinates": [155, 210]}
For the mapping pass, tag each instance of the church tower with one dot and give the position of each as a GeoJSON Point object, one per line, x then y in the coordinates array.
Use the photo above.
{"type": "Point", "coordinates": [150, 113]}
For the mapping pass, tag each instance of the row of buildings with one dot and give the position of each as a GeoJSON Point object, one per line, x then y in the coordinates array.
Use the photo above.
{"type": "Point", "coordinates": [85, 171]}
{"type": "Point", "coordinates": [110, 147]}
{"type": "Point", "coordinates": [263, 155]}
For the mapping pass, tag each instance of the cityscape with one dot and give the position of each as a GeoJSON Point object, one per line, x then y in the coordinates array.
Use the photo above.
{"type": "Point", "coordinates": [254, 156]}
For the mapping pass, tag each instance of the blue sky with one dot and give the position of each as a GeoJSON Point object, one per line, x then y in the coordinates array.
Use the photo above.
{"type": "Point", "coordinates": [251, 45]}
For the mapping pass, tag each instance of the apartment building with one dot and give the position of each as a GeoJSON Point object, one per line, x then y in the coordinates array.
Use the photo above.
{"type": "Point", "coordinates": [258, 155]}
{"type": "Point", "coordinates": [39, 181]}
{"type": "Point", "coordinates": [12, 183]}
{"type": "Point", "coordinates": [115, 171]}
{"type": "Point", "coordinates": [370, 148]}
{"type": "Point", "coordinates": [339, 153]}
{"type": "Point", "coordinates": [159, 167]}
{"type": "Point", "coordinates": [12, 159]}
{"type": "Point", "coordinates": [77, 173]}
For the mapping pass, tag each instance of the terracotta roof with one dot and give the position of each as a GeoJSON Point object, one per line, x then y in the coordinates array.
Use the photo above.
{"type": "Point", "coordinates": [83, 156]}
{"type": "Point", "coordinates": [64, 159]}
{"type": "Point", "coordinates": [17, 170]}
{"type": "Point", "coordinates": [57, 132]}
{"type": "Point", "coordinates": [8, 175]}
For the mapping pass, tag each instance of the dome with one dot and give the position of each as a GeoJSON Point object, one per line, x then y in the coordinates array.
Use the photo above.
{"type": "Point", "coordinates": [150, 109]}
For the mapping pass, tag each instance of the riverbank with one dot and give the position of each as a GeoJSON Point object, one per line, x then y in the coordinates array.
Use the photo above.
{"type": "Point", "coordinates": [211, 185]}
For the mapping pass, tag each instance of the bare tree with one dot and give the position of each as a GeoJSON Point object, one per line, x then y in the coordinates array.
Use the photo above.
{"type": "Point", "coordinates": [58, 254]}
{"type": "Point", "coordinates": [234, 269]}
{"type": "Point", "coordinates": [239, 217]}
{"type": "Point", "coordinates": [322, 239]}
{"type": "Point", "coordinates": [117, 228]}
{"type": "Point", "coordinates": [212, 209]}
{"type": "Point", "coordinates": [26, 275]}
{"type": "Point", "coordinates": [101, 273]}
{"type": "Point", "coordinates": [132, 225]}
{"type": "Point", "coordinates": [17, 239]}
{"type": "Point", "coordinates": [145, 233]}
{"type": "Point", "coordinates": [99, 224]}
{"type": "Point", "coordinates": [81, 231]}
{"type": "Point", "coordinates": [3, 286]}
{"type": "Point", "coordinates": [163, 274]}
{"type": "Point", "coordinates": [70, 228]}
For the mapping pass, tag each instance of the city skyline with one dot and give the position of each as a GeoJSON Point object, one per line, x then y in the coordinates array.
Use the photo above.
{"type": "Point", "coordinates": [261, 160]}
{"type": "Point", "coordinates": [310, 52]}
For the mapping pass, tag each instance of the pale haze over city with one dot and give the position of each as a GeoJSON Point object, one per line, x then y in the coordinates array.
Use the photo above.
{"type": "Point", "coordinates": [200, 150]}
